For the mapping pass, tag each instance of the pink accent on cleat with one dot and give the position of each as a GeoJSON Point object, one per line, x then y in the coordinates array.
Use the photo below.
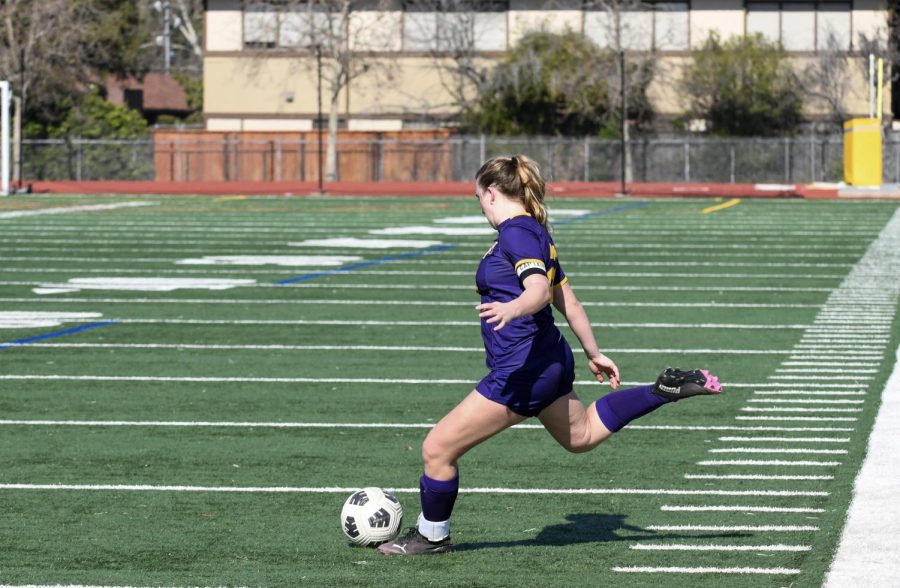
{"type": "Point", "coordinates": [712, 382]}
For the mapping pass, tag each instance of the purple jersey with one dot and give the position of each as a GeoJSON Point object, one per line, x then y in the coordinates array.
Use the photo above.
{"type": "Point", "coordinates": [522, 248]}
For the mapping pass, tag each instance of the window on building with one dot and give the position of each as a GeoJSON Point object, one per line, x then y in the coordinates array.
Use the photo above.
{"type": "Point", "coordinates": [641, 26]}
{"type": "Point", "coordinates": [802, 26]}
{"type": "Point", "coordinates": [301, 27]}
{"type": "Point", "coordinates": [764, 18]}
{"type": "Point", "coordinates": [833, 27]}
{"type": "Point", "coordinates": [261, 25]}
{"type": "Point", "coordinates": [134, 99]}
{"type": "Point", "coordinates": [445, 25]}
{"type": "Point", "coordinates": [670, 26]}
{"type": "Point", "coordinates": [798, 26]}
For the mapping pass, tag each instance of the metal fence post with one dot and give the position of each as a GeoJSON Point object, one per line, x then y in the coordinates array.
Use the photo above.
{"type": "Point", "coordinates": [687, 161]}
{"type": "Point", "coordinates": [380, 159]}
{"type": "Point", "coordinates": [279, 173]}
{"type": "Point", "coordinates": [179, 164]}
{"type": "Point", "coordinates": [731, 167]}
{"type": "Point", "coordinates": [787, 160]}
{"type": "Point", "coordinates": [482, 151]}
{"type": "Point", "coordinates": [587, 159]}
{"type": "Point", "coordinates": [302, 151]}
{"type": "Point", "coordinates": [812, 155]}
{"type": "Point", "coordinates": [889, 143]}
{"type": "Point", "coordinates": [78, 158]}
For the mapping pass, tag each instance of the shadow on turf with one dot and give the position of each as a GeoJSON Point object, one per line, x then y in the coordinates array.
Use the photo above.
{"type": "Point", "coordinates": [591, 528]}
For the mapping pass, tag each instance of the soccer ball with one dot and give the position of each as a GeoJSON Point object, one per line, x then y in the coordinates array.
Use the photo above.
{"type": "Point", "coordinates": [371, 516]}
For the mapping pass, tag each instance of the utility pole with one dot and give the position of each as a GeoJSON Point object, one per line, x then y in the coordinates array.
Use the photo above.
{"type": "Point", "coordinates": [5, 92]}
{"type": "Point", "coordinates": [165, 7]}
{"type": "Point", "coordinates": [622, 122]}
{"type": "Point", "coordinates": [19, 173]}
{"type": "Point", "coordinates": [319, 110]}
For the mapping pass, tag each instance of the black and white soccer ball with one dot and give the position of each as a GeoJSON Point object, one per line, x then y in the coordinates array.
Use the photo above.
{"type": "Point", "coordinates": [371, 516]}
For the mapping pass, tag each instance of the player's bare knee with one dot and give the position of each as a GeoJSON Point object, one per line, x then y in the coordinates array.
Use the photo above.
{"type": "Point", "coordinates": [576, 443]}
{"type": "Point", "coordinates": [581, 444]}
{"type": "Point", "coordinates": [433, 453]}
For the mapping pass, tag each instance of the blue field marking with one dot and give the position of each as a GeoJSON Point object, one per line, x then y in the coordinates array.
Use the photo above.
{"type": "Point", "coordinates": [606, 212]}
{"type": "Point", "coordinates": [362, 264]}
{"type": "Point", "coordinates": [56, 334]}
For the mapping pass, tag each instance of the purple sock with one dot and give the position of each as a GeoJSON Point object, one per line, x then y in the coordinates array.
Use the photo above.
{"type": "Point", "coordinates": [620, 408]}
{"type": "Point", "coordinates": [438, 497]}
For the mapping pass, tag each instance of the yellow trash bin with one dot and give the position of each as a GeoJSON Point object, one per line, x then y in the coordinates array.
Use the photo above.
{"type": "Point", "coordinates": [862, 152]}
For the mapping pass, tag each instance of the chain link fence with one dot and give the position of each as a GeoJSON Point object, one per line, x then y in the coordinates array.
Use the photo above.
{"type": "Point", "coordinates": [802, 159]}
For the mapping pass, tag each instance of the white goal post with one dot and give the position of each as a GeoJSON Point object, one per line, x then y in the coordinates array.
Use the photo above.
{"type": "Point", "coordinates": [5, 98]}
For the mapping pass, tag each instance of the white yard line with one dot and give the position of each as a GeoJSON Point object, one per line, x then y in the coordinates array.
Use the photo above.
{"type": "Point", "coordinates": [422, 348]}
{"type": "Point", "coordinates": [426, 273]}
{"type": "Point", "coordinates": [706, 570]}
{"type": "Point", "coordinates": [798, 418]}
{"type": "Point", "coordinates": [787, 439]}
{"type": "Point", "coordinates": [754, 528]}
{"type": "Point", "coordinates": [799, 450]}
{"type": "Point", "coordinates": [740, 508]}
{"type": "Point", "coordinates": [332, 425]}
{"type": "Point", "coordinates": [461, 262]}
{"type": "Point", "coordinates": [795, 409]}
{"type": "Point", "coordinates": [348, 490]}
{"type": "Point", "coordinates": [769, 462]}
{"type": "Point", "coordinates": [581, 287]}
{"type": "Point", "coordinates": [374, 302]}
{"type": "Point", "coordinates": [462, 248]}
{"type": "Point", "coordinates": [716, 547]}
{"type": "Point", "coordinates": [818, 371]}
{"type": "Point", "coordinates": [300, 380]}
{"type": "Point", "coordinates": [756, 477]}
{"type": "Point", "coordinates": [70, 210]}
{"type": "Point", "coordinates": [810, 393]}
{"type": "Point", "coordinates": [803, 401]}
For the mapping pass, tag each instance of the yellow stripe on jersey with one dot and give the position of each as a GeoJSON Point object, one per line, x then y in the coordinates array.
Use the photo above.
{"type": "Point", "coordinates": [565, 280]}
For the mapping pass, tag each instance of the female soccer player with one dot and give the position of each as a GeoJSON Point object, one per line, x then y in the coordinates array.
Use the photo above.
{"type": "Point", "coordinates": [531, 365]}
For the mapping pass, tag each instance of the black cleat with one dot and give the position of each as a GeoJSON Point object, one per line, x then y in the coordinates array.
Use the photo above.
{"type": "Point", "coordinates": [676, 384]}
{"type": "Point", "coordinates": [414, 543]}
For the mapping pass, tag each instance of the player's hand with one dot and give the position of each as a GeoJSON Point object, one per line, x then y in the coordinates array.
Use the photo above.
{"type": "Point", "coordinates": [497, 312]}
{"type": "Point", "coordinates": [601, 365]}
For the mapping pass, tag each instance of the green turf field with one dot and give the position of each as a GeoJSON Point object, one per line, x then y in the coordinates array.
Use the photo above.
{"type": "Point", "coordinates": [207, 433]}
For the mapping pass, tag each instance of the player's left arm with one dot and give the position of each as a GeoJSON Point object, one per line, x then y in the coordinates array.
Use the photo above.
{"type": "Point", "coordinates": [567, 303]}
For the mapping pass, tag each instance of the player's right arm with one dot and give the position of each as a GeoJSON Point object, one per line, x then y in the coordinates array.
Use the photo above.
{"type": "Point", "coordinates": [567, 303]}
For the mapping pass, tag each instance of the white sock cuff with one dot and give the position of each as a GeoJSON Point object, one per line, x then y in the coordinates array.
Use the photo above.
{"type": "Point", "coordinates": [433, 531]}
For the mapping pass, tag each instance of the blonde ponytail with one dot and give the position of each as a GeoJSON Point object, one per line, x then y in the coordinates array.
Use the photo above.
{"type": "Point", "coordinates": [517, 177]}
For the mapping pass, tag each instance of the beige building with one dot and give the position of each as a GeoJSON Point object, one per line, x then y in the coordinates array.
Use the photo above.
{"type": "Point", "coordinates": [261, 71]}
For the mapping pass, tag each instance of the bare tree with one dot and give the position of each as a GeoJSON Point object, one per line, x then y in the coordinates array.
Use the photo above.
{"type": "Point", "coordinates": [827, 81]}
{"type": "Point", "coordinates": [461, 35]}
{"type": "Point", "coordinates": [626, 28]}
{"type": "Point", "coordinates": [41, 53]}
{"type": "Point", "coordinates": [456, 34]}
{"type": "Point", "coordinates": [175, 25]}
{"type": "Point", "coordinates": [187, 11]}
{"type": "Point", "coordinates": [344, 39]}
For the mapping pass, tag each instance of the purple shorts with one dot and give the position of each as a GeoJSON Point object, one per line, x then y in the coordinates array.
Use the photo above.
{"type": "Point", "coordinates": [544, 378]}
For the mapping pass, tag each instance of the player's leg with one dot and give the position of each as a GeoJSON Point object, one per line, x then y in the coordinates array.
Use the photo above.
{"type": "Point", "coordinates": [576, 429]}
{"type": "Point", "coordinates": [472, 421]}
{"type": "Point", "coordinates": [619, 408]}
{"type": "Point", "coordinates": [579, 430]}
